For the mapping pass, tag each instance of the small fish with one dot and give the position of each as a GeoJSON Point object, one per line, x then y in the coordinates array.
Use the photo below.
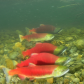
{"type": "Point", "coordinates": [44, 59]}
{"type": "Point", "coordinates": [43, 47]}
{"type": "Point", "coordinates": [36, 71]}
{"type": "Point", "coordinates": [37, 37]}
{"type": "Point", "coordinates": [45, 29]}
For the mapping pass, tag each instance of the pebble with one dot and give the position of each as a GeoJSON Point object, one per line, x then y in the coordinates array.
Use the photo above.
{"type": "Point", "coordinates": [76, 74]}
{"type": "Point", "coordinates": [83, 72]}
{"type": "Point", "coordinates": [2, 80]}
{"type": "Point", "coordinates": [68, 75]}
{"type": "Point", "coordinates": [50, 80]}
{"type": "Point", "coordinates": [81, 82]}
{"type": "Point", "coordinates": [72, 50]}
{"type": "Point", "coordinates": [13, 55]}
{"type": "Point", "coordinates": [68, 38]}
{"type": "Point", "coordinates": [72, 77]}
{"type": "Point", "coordinates": [82, 61]}
{"type": "Point", "coordinates": [66, 81]}
{"type": "Point", "coordinates": [2, 51]}
{"type": "Point", "coordinates": [76, 80]}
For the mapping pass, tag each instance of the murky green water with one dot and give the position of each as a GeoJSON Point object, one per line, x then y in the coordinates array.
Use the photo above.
{"type": "Point", "coordinates": [30, 13]}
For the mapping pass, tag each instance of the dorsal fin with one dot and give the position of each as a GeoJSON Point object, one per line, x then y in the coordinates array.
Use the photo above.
{"type": "Point", "coordinates": [34, 54]}
{"type": "Point", "coordinates": [38, 43]}
{"type": "Point", "coordinates": [31, 64]}
{"type": "Point", "coordinates": [21, 77]}
{"type": "Point", "coordinates": [41, 24]}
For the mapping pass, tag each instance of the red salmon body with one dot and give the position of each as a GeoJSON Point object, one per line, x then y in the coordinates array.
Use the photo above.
{"type": "Point", "coordinates": [36, 71]}
{"type": "Point", "coordinates": [34, 36]}
{"type": "Point", "coordinates": [43, 29]}
{"type": "Point", "coordinates": [39, 59]}
{"type": "Point", "coordinates": [33, 71]}
{"type": "Point", "coordinates": [40, 47]}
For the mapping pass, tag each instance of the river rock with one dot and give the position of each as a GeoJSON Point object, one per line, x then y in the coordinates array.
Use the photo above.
{"type": "Point", "coordinates": [80, 43]}
{"type": "Point", "coordinates": [76, 80]}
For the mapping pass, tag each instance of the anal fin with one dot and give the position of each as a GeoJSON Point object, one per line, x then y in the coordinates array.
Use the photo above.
{"type": "Point", "coordinates": [21, 77]}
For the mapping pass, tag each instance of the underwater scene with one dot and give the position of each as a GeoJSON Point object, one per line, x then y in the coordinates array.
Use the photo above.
{"type": "Point", "coordinates": [41, 41]}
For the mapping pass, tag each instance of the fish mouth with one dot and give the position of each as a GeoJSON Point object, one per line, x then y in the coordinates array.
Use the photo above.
{"type": "Point", "coordinates": [52, 37]}
{"type": "Point", "coordinates": [60, 30]}
{"type": "Point", "coordinates": [63, 50]}
{"type": "Point", "coordinates": [68, 60]}
{"type": "Point", "coordinates": [57, 30]}
{"type": "Point", "coordinates": [60, 50]}
{"type": "Point", "coordinates": [64, 72]}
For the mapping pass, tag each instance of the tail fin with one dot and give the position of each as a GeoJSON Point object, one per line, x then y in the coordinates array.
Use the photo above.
{"type": "Point", "coordinates": [24, 53]}
{"type": "Point", "coordinates": [21, 39]}
{"type": "Point", "coordinates": [6, 70]}
{"type": "Point", "coordinates": [32, 31]}
{"type": "Point", "coordinates": [41, 24]}
{"type": "Point", "coordinates": [15, 62]}
{"type": "Point", "coordinates": [27, 30]}
{"type": "Point", "coordinates": [57, 30]}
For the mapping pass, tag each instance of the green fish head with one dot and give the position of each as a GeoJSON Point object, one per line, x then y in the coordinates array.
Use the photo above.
{"type": "Point", "coordinates": [60, 71]}
{"type": "Point", "coordinates": [49, 36]}
{"type": "Point", "coordinates": [63, 60]}
{"type": "Point", "coordinates": [59, 50]}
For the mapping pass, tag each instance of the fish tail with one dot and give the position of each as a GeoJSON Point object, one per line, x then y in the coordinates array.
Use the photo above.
{"type": "Point", "coordinates": [21, 39]}
{"type": "Point", "coordinates": [41, 24]}
{"type": "Point", "coordinates": [27, 30]}
{"type": "Point", "coordinates": [24, 53]}
{"type": "Point", "coordinates": [6, 70]}
{"type": "Point", "coordinates": [33, 31]}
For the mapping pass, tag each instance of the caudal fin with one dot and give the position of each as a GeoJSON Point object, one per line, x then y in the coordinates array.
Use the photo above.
{"type": "Point", "coordinates": [27, 30]}
{"type": "Point", "coordinates": [57, 30]}
{"type": "Point", "coordinates": [6, 70]}
{"type": "Point", "coordinates": [41, 24]}
{"type": "Point", "coordinates": [21, 38]}
{"type": "Point", "coordinates": [25, 53]}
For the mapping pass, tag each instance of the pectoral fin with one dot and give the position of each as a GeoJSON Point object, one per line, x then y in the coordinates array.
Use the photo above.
{"type": "Point", "coordinates": [31, 79]}
{"type": "Point", "coordinates": [21, 77]}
